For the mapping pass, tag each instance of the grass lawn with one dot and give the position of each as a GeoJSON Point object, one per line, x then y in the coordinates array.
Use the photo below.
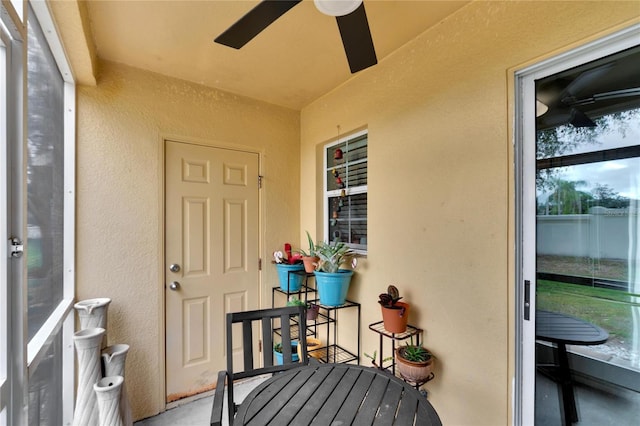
{"type": "Point", "coordinates": [609, 309]}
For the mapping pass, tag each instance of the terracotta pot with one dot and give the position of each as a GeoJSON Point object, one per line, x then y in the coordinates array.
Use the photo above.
{"type": "Point", "coordinates": [418, 372]}
{"type": "Point", "coordinates": [395, 320]}
{"type": "Point", "coordinates": [310, 263]}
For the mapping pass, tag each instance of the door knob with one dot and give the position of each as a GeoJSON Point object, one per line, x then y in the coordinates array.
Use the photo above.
{"type": "Point", "coordinates": [175, 286]}
{"type": "Point", "coordinates": [174, 267]}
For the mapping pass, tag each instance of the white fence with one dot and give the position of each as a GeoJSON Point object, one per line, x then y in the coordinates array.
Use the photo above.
{"type": "Point", "coordinates": [603, 234]}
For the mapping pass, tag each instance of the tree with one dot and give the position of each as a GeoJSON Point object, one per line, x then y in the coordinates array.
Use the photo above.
{"type": "Point", "coordinates": [563, 140]}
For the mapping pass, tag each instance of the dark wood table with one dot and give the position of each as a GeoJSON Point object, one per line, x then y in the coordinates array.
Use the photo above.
{"type": "Point", "coordinates": [565, 330]}
{"type": "Point", "coordinates": [335, 394]}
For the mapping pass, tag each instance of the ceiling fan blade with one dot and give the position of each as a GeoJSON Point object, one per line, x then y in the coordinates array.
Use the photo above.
{"type": "Point", "coordinates": [580, 119]}
{"type": "Point", "coordinates": [256, 20]}
{"type": "Point", "coordinates": [585, 79]}
{"type": "Point", "coordinates": [357, 41]}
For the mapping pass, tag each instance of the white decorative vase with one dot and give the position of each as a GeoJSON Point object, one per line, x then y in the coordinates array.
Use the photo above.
{"type": "Point", "coordinates": [93, 314]}
{"type": "Point", "coordinates": [113, 360]}
{"type": "Point", "coordinates": [108, 391]}
{"type": "Point", "coordinates": [88, 343]}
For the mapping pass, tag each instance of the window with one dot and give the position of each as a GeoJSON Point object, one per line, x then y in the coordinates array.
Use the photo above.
{"type": "Point", "coordinates": [36, 309]}
{"type": "Point", "coordinates": [346, 191]}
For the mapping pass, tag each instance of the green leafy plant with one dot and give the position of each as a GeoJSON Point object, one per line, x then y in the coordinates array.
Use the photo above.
{"type": "Point", "coordinates": [373, 359]}
{"type": "Point", "coordinates": [312, 247]}
{"type": "Point", "coordinates": [278, 348]}
{"type": "Point", "coordinates": [332, 255]}
{"type": "Point", "coordinates": [415, 353]}
{"type": "Point", "coordinates": [389, 299]}
{"type": "Point", "coordinates": [294, 301]}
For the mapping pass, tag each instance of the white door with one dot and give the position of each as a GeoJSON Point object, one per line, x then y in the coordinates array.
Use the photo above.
{"type": "Point", "coordinates": [526, 207]}
{"type": "Point", "coordinates": [211, 208]}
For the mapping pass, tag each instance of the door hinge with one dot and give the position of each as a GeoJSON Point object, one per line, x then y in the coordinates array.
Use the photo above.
{"type": "Point", "coordinates": [259, 264]}
{"type": "Point", "coordinates": [259, 345]}
{"type": "Point", "coordinates": [16, 249]}
{"type": "Point", "coordinates": [260, 181]}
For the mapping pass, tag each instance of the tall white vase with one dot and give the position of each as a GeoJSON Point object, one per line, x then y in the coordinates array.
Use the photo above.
{"type": "Point", "coordinates": [93, 313]}
{"type": "Point", "coordinates": [88, 343]}
{"type": "Point", "coordinates": [108, 391]}
{"type": "Point", "coordinates": [114, 359]}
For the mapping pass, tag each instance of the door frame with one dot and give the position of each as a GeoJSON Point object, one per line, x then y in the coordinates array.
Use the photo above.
{"type": "Point", "coordinates": [525, 195]}
{"type": "Point", "coordinates": [163, 139]}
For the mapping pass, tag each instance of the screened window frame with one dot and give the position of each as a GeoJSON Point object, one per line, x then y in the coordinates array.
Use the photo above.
{"type": "Point", "coordinates": [62, 318]}
{"type": "Point", "coordinates": [350, 191]}
{"type": "Point", "coordinates": [25, 357]}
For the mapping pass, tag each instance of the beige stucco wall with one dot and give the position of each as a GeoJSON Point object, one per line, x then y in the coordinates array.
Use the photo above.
{"type": "Point", "coordinates": [440, 209]}
{"type": "Point", "coordinates": [121, 125]}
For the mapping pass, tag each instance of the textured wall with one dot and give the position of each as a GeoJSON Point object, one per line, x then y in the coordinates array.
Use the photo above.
{"type": "Point", "coordinates": [121, 124]}
{"type": "Point", "coordinates": [440, 184]}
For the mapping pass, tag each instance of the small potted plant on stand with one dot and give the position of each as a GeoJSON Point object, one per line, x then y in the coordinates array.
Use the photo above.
{"type": "Point", "coordinates": [289, 268]}
{"type": "Point", "coordinates": [277, 352]}
{"type": "Point", "coordinates": [309, 259]}
{"type": "Point", "coordinates": [333, 282]}
{"type": "Point", "coordinates": [415, 363]}
{"type": "Point", "coordinates": [395, 314]}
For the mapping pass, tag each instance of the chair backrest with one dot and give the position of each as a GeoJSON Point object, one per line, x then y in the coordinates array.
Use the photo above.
{"type": "Point", "coordinates": [287, 322]}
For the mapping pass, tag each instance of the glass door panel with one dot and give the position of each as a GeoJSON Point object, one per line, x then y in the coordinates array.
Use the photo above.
{"type": "Point", "coordinates": [587, 230]}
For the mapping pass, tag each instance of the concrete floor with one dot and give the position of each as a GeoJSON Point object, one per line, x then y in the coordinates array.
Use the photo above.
{"type": "Point", "coordinates": [196, 411]}
{"type": "Point", "coordinates": [599, 406]}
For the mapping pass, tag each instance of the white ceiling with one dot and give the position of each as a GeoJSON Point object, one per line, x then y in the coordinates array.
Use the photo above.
{"type": "Point", "coordinates": [293, 62]}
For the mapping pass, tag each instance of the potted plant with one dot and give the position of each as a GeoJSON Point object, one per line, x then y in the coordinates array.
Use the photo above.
{"type": "Point", "coordinates": [333, 282]}
{"type": "Point", "coordinates": [312, 310]}
{"type": "Point", "coordinates": [289, 267]}
{"type": "Point", "coordinates": [277, 352]}
{"type": "Point", "coordinates": [395, 314]}
{"type": "Point", "coordinates": [312, 345]}
{"type": "Point", "coordinates": [309, 259]}
{"type": "Point", "coordinates": [414, 362]}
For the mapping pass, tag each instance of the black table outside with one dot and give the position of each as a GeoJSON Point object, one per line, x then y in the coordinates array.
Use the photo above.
{"type": "Point", "coordinates": [566, 330]}
{"type": "Point", "coordinates": [326, 394]}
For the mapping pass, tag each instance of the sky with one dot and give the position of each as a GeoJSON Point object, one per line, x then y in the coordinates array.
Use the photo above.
{"type": "Point", "coordinates": [623, 176]}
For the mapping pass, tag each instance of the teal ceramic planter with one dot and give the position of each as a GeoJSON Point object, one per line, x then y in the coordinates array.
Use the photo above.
{"type": "Point", "coordinates": [333, 286]}
{"type": "Point", "coordinates": [290, 282]}
{"type": "Point", "coordinates": [294, 354]}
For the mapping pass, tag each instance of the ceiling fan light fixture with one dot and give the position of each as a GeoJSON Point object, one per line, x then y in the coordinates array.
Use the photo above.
{"type": "Point", "coordinates": [337, 7]}
{"type": "Point", "coordinates": [540, 108]}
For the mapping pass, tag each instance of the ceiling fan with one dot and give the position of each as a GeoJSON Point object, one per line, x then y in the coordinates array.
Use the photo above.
{"type": "Point", "coordinates": [569, 101]}
{"type": "Point", "coordinates": [350, 16]}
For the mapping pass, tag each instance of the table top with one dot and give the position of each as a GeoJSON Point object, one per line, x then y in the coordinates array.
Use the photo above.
{"type": "Point", "coordinates": [561, 328]}
{"type": "Point", "coordinates": [335, 394]}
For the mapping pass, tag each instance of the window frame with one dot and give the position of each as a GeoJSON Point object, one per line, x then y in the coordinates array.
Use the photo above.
{"type": "Point", "coordinates": [22, 360]}
{"type": "Point", "coordinates": [62, 318]}
{"type": "Point", "coordinates": [327, 194]}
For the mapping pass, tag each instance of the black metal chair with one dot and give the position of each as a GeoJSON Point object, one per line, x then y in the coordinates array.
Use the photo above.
{"type": "Point", "coordinates": [284, 321]}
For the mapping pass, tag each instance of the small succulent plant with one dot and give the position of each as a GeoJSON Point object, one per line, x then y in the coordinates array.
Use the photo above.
{"type": "Point", "coordinates": [390, 298]}
{"type": "Point", "coordinates": [415, 353]}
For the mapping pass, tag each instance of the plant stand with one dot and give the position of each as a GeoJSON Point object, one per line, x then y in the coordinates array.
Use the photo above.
{"type": "Point", "coordinates": [326, 321]}
{"type": "Point", "coordinates": [411, 331]}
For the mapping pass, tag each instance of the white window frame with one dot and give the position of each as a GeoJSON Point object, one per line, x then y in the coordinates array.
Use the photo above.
{"type": "Point", "coordinates": [12, 370]}
{"type": "Point", "coordinates": [62, 318]}
{"type": "Point", "coordinates": [16, 370]}
{"type": "Point", "coordinates": [363, 189]}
